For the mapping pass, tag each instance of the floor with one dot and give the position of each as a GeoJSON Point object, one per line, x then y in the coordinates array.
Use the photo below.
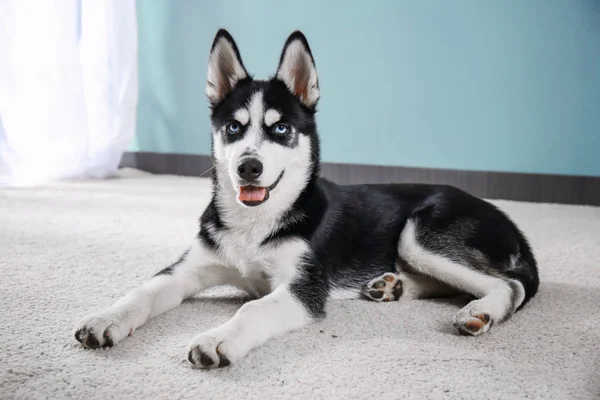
{"type": "Point", "coordinates": [71, 248]}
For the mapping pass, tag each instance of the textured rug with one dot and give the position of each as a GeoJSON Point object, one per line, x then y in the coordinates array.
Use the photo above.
{"type": "Point", "coordinates": [70, 248]}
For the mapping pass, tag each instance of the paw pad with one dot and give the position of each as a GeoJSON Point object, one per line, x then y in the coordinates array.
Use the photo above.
{"type": "Point", "coordinates": [474, 325]}
{"type": "Point", "coordinates": [202, 359]}
{"type": "Point", "coordinates": [387, 287]}
{"type": "Point", "coordinates": [89, 340]}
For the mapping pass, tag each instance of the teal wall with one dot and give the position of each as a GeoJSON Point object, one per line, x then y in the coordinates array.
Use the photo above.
{"type": "Point", "coordinates": [497, 85]}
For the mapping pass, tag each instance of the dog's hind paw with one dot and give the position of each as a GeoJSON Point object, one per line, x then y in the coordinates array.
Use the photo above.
{"type": "Point", "coordinates": [387, 287]}
{"type": "Point", "coordinates": [472, 321]}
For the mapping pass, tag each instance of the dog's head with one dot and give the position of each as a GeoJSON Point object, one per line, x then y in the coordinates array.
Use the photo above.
{"type": "Point", "coordinates": [265, 145]}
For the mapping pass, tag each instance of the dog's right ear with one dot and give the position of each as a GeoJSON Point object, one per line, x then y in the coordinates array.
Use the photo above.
{"type": "Point", "coordinates": [225, 67]}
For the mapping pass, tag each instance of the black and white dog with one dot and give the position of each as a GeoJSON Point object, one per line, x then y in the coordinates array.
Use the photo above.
{"type": "Point", "coordinates": [294, 240]}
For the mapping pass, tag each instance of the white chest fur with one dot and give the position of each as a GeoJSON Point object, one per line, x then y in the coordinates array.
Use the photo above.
{"type": "Point", "coordinates": [242, 248]}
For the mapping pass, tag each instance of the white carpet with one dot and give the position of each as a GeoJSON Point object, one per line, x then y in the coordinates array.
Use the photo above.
{"type": "Point", "coordinates": [71, 248]}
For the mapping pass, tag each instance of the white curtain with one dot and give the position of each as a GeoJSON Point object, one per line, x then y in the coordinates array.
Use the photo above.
{"type": "Point", "coordinates": [68, 88]}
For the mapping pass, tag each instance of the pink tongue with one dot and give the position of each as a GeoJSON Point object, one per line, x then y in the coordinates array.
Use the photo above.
{"type": "Point", "coordinates": [252, 193]}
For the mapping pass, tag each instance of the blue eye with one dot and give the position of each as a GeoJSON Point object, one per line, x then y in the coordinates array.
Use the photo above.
{"type": "Point", "coordinates": [233, 128]}
{"type": "Point", "coordinates": [281, 129]}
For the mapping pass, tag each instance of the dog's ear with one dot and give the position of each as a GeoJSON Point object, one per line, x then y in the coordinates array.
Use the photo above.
{"type": "Point", "coordinates": [298, 71]}
{"type": "Point", "coordinates": [225, 67]}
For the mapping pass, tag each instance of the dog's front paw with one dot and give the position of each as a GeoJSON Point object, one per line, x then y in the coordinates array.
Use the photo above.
{"type": "Point", "coordinates": [102, 329]}
{"type": "Point", "coordinates": [212, 350]}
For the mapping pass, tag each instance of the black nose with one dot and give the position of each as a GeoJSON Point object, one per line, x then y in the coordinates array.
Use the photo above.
{"type": "Point", "coordinates": [250, 169]}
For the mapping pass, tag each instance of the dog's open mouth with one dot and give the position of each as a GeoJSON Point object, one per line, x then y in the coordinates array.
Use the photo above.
{"type": "Point", "coordinates": [252, 195]}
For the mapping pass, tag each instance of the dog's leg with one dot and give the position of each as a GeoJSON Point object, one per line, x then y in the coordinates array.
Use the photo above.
{"type": "Point", "coordinates": [255, 322]}
{"type": "Point", "coordinates": [195, 271]}
{"type": "Point", "coordinates": [497, 297]}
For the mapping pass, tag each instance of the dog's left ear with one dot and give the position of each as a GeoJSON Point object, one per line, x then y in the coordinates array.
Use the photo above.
{"type": "Point", "coordinates": [298, 71]}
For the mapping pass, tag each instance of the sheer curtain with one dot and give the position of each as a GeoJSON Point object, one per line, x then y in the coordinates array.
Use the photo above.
{"type": "Point", "coordinates": [68, 88]}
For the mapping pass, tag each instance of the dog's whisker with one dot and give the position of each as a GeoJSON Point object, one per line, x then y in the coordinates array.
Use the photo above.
{"type": "Point", "coordinates": [210, 169]}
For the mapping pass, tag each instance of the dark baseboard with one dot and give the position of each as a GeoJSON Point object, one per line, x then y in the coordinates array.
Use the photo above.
{"type": "Point", "coordinates": [540, 188]}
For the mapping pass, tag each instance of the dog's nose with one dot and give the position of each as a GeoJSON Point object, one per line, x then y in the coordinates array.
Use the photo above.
{"type": "Point", "coordinates": [250, 169]}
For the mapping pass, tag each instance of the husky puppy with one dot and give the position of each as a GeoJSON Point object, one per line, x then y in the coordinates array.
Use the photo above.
{"type": "Point", "coordinates": [293, 240]}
